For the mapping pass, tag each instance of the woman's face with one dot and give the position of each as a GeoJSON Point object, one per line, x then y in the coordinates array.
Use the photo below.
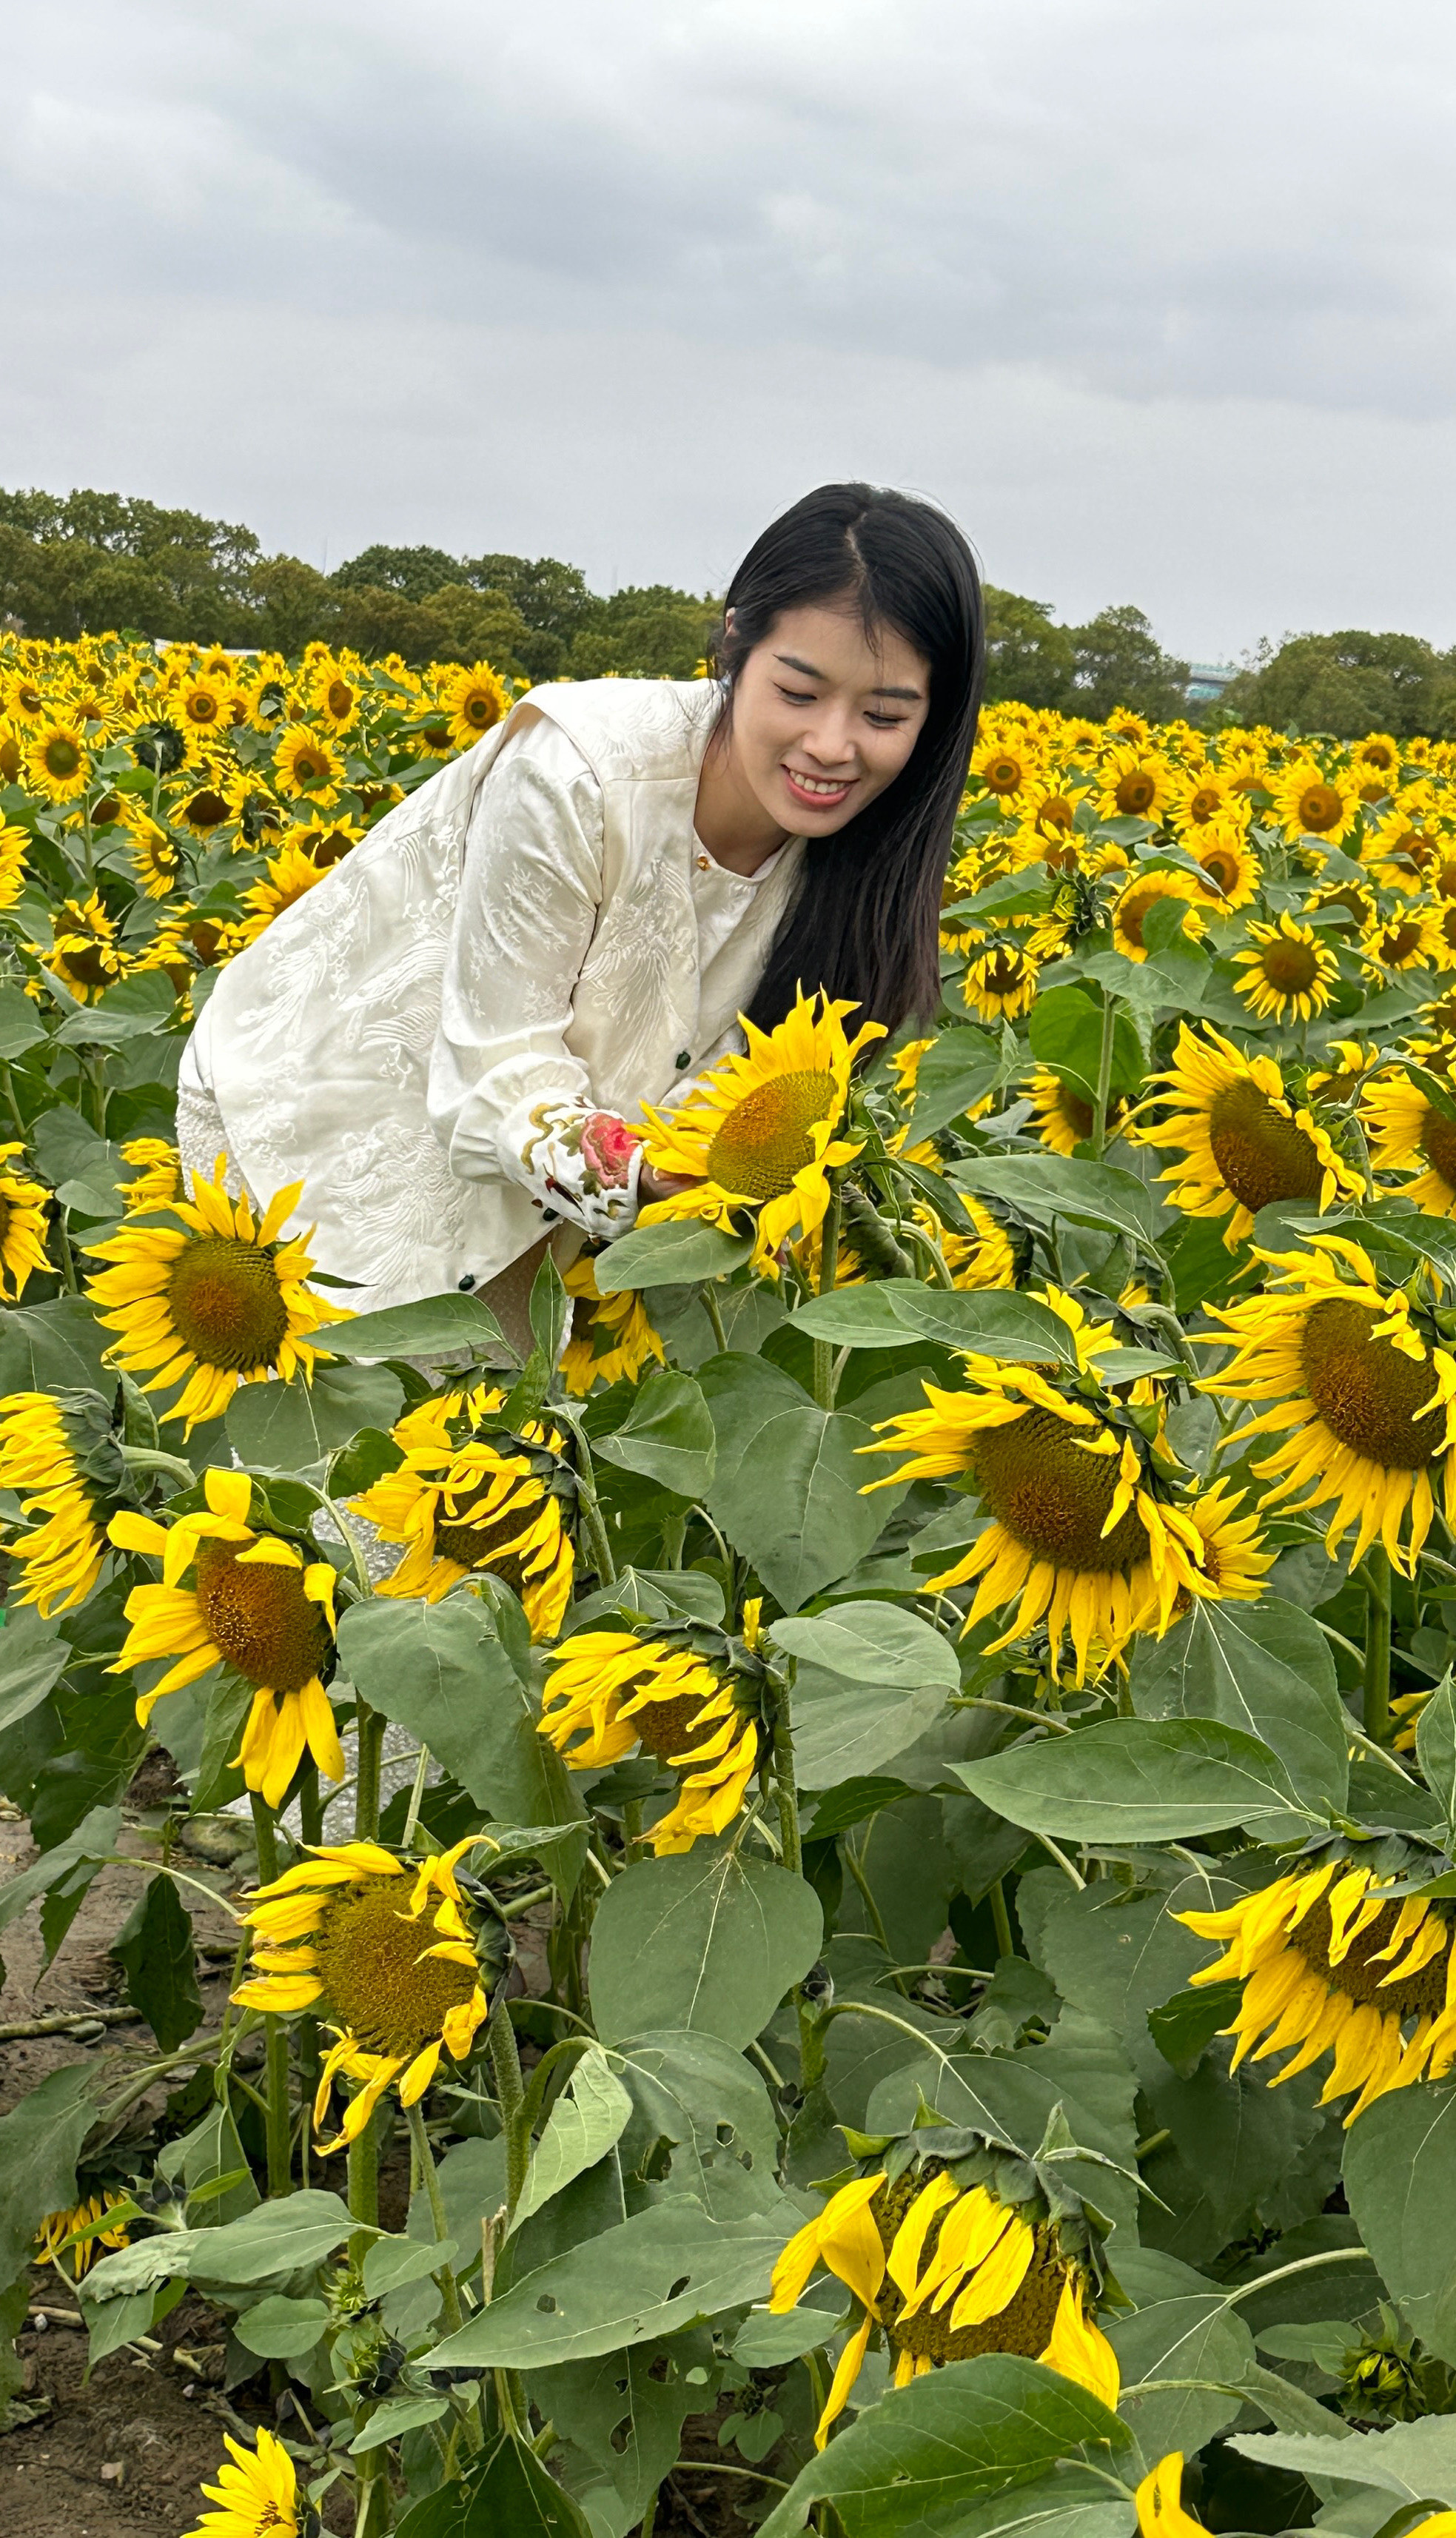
{"type": "Point", "coordinates": [824, 718]}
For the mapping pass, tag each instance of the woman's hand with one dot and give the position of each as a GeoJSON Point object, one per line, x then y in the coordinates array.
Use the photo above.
{"type": "Point", "coordinates": [653, 1186]}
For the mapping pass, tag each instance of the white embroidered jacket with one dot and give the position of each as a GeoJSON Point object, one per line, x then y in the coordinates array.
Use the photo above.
{"type": "Point", "coordinates": [533, 935]}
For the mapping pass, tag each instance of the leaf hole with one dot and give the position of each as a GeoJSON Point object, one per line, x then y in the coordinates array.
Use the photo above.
{"type": "Point", "coordinates": [661, 2369]}
{"type": "Point", "coordinates": [620, 2435]}
{"type": "Point", "coordinates": [678, 2288]}
{"type": "Point", "coordinates": [545, 2304]}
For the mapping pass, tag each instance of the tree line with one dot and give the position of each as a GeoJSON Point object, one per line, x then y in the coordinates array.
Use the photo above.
{"type": "Point", "coordinates": [93, 562]}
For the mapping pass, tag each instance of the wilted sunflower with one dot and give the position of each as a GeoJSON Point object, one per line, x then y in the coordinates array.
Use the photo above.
{"type": "Point", "coordinates": [612, 1339]}
{"type": "Point", "coordinates": [1087, 1530]}
{"type": "Point", "coordinates": [474, 702]}
{"type": "Point", "coordinates": [307, 766]}
{"type": "Point", "coordinates": [759, 1131]}
{"type": "Point", "coordinates": [384, 1951]}
{"type": "Point", "coordinates": [609, 1692]}
{"type": "Point", "coordinates": [1290, 971]}
{"type": "Point", "coordinates": [57, 2227]}
{"type": "Point", "coordinates": [57, 760]}
{"type": "Point", "coordinates": [254, 1603]}
{"type": "Point", "coordinates": [1328, 1964]}
{"type": "Point", "coordinates": [1064, 1121]}
{"type": "Point", "coordinates": [946, 2271]}
{"type": "Point", "coordinates": [157, 1175]}
{"type": "Point", "coordinates": [85, 954]}
{"type": "Point", "coordinates": [1138, 898]}
{"type": "Point", "coordinates": [1357, 1372]}
{"type": "Point", "coordinates": [58, 1454]}
{"type": "Point", "coordinates": [215, 1299]}
{"type": "Point", "coordinates": [290, 876]}
{"type": "Point", "coordinates": [472, 1495]}
{"type": "Point", "coordinates": [23, 1206]}
{"type": "Point", "coordinates": [257, 2493]}
{"type": "Point", "coordinates": [1308, 803]}
{"type": "Point", "coordinates": [1244, 1143]}
{"type": "Point", "coordinates": [999, 982]}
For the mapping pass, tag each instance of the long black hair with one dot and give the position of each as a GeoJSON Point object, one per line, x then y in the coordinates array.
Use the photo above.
{"type": "Point", "coordinates": [865, 922]}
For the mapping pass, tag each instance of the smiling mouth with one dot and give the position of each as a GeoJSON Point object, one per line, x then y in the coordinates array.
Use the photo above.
{"type": "Point", "coordinates": [817, 789]}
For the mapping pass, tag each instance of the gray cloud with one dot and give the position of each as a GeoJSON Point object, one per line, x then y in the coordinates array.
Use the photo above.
{"type": "Point", "coordinates": [1158, 297]}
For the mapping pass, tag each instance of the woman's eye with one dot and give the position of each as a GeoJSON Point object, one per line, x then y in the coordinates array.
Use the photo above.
{"type": "Point", "coordinates": [793, 697]}
{"type": "Point", "coordinates": [885, 723]}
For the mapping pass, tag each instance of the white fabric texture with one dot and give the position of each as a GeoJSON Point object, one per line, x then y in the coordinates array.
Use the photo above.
{"type": "Point", "coordinates": [533, 936]}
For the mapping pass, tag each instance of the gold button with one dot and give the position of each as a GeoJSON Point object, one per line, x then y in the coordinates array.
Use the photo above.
{"type": "Point", "coordinates": [703, 862]}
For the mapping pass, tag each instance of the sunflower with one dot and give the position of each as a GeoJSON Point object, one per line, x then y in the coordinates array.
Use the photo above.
{"type": "Point", "coordinates": [1356, 1374]}
{"type": "Point", "coordinates": [472, 1495]}
{"type": "Point", "coordinates": [255, 1604]}
{"type": "Point", "coordinates": [21, 696]}
{"type": "Point", "coordinates": [1244, 1143]}
{"type": "Point", "coordinates": [257, 2493]}
{"type": "Point", "coordinates": [1086, 1536]}
{"type": "Point", "coordinates": [1407, 1131]}
{"type": "Point", "coordinates": [334, 697]}
{"type": "Point", "coordinates": [1310, 804]}
{"type": "Point", "coordinates": [1412, 939]}
{"type": "Point", "coordinates": [1064, 1121]}
{"type": "Point", "coordinates": [986, 1258]}
{"type": "Point", "coordinates": [157, 1175]}
{"type": "Point", "coordinates": [1135, 781]}
{"type": "Point", "coordinates": [946, 2271]}
{"type": "Point", "coordinates": [1004, 765]}
{"type": "Point", "coordinates": [1160, 2501]}
{"type": "Point", "coordinates": [85, 954]}
{"type": "Point", "coordinates": [217, 1298]}
{"type": "Point", "coordinates": [1234, 1558]}
{"type": "Point", "coordinates": [156, 855]}
{"type": "Point", "coordinates": [201, 705]}
{"type": "Point", "coordinates": [904, 1065]}
{"type": "Point", "coordinates": [57, 760]}
{"type": "Point", "coordinates": [1000, 982]}
{"type": "Point", "coordinates": [759, 1131]}
{"type": "Point", "coordinates": [1289, 971]}
{"type": "Point", "coordinates": [1329, 1966]}
{"type": "Point", "coordinates": [473, 700]}
{"type": "Point", "coordinates": [290, 875]}
{"type": "Point", "coordinates": [307, 766]}
{"type": "Point", "coordinates": [58, 1455]}
{"type": "Point", "coordinates": [383, 1950]}
{"type": "Point", "coordinates": [1050, 811]}
{"type": "Point", "coordinates": [208, 804]}
{"type": "Point", "coordinates": [1377, 754]}
{"type": "Point", "coordinates": [610, 1694]}
{"type": "Point", "coordinates": [1140, 896]}
{"type": "Point", "coordinates": [327, 842]}
{"type": "Point", "coordinates": [59, 2227]}
{"type": "Point", "coordinates": [1204, 797]}
{"type": "Point", "coordinates": [13, 842]}
{"type": "Point", "coordinates": [23, 1219]}
{"type": "Point", "coordinates": [1222, 851]}
{"type": "Point", "coordinates": [612, 1339]}
{"type": "Point", "coordinates": [1340, 1083]}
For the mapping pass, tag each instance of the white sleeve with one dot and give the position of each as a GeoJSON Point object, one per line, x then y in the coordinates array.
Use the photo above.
{"type": "Point", "coordinates": [507, 1097]}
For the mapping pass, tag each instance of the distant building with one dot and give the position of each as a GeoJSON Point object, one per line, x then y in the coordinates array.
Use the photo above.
{"type": "Point", "coordinates": [1206, 681]}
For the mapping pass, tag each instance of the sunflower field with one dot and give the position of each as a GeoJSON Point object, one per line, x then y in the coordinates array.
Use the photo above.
{"type": "Point", "coordinates": [839, 1885]}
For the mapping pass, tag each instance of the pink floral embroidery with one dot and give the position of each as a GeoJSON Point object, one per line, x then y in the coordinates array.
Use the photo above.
{"type": "Point", "coordinates": [606, 1148]}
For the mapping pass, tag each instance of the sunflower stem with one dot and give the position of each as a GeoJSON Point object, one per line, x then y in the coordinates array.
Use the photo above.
{"type": "Point", "coordinates": [632, 1827]}
{"type": "Point", "coordinates": [278, 2127]}
{"type": "Point", "coordinates": [510, 2089]}
{"type": "Point", "coordinates": [828, 1271]}
{"type": "Point", "coordinates": [591, 1511]}
{"type": "Point", "coordinates": [1377, 1646]}
{"type": "Point", "coordinates": [148, 1458]}
{"type": "Point", "coordinates": [1001, 1919]}
{"type": "Point", "coordinates": [366, 1793]}
{"type": "Point", "coordinates": [1104, 1075]}
{"type": "Point", "coordinates": [445, 2276]}
{"type": "Point", "coordinates": [416, 1799]}
{"type": "Point", "coordinates": [714, 1311]}
{"type": "Point", "coordinates": [364, 2173]}
{"type": "Point", "coordinates": [12, 1104]}
{"type": "Point", "coordinates": [63, 1245]}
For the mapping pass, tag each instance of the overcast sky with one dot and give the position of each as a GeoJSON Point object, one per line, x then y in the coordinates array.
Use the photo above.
{"type": "Point", "coordinates": [1155, 296]}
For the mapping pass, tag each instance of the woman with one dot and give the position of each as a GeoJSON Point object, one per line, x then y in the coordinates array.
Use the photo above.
{"type": "Point", "coordinates": [445, 1040]}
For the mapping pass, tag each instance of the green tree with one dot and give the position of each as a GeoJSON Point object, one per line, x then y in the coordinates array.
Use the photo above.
{"type": "Point", "coordinates": [1030, 659]}
{"type": "Point", "coordinates": [656, 633]}
{"type": "Point", "coordinates": [86, 562]}
{"type": "Point", "coordinates": [1347, 683]}
{"type": "Point", "coordinates": [554, 601]}
{"type": "Point", "coordinates": [294, 604]}
{"type": "Point", "coordinates": [1119, 661]}
{"type": "Point", "coordinates": [414, 571]}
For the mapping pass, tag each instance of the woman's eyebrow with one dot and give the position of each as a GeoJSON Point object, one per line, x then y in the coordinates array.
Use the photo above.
{"type": "Point", "coordinates": [806, 670]}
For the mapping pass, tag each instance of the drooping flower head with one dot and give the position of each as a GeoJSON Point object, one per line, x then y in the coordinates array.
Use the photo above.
{"type": "Point", "coordinates": [1064, 1120]}
{"type": "Point", "coordinates": [948, 2256]}
{"type": "Point", "coordinates": [73, 2262]}
{"type": "Point", "coordinates": [256, 2493]}
{"type": "Point", "coordinates": [1244, 1143]}
{"type": "Point", "coordinates": [1092, 1532]}
{"type": "Point", "coordinates": [23, 1206]}
{"type": "Point", "coordinates": [214, 1297]}
{"type": "Point", "coordinates": [386, 1952]}
{"type": "Point", "coordinates": [761, 1132]}
{"type": "Point", "coordinates": [84, 953]}
{"type": "Point", "coordinates": [1330, 1965]}
{"type": "Point", "coordinates": [234, 1594]}
{"type": "Point", "coordinates": [686, 1697]}
{"type": "Point", "coordinates": [1000, 981]}
{"type": "Point", "coordinates": [469, 1496]}
{"type": "Point", "coordinates": [59, 1456]}
{"type": "Point", "coordinates": [612, 1340]}
{"type": "Point", "coordinates": [1408, 1134]}
{"type": "Point", "coordinates": [157, 1175]}
{"type": "Point", "coordinates": [1361, 1388]}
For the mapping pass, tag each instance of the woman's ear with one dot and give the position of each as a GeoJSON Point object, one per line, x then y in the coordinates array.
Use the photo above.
{"type": "Point", "coordinates": [729, 615]}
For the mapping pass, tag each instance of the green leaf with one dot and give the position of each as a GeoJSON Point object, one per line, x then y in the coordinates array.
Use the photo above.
{"type": "Point", "coordinates": [765, 2342]}
{"type": "Point", "coordinates": [1264, 1668]}
{"type": "Point", "coordinates": [956, 1072]}
{"type": "Point", "coordinates": [1185, 2026]}
{"type": "Point", "coordinates": [280, 2329]}
{"type": "Point", "coordinates": [849, 1803]}
{"type": "Point", "coordinates": [130, 1009]}
{"type": "Point", "coordinates": [154, 1948]}
{"type": "Point", "coordinates": [441, 1671]}
{"type": "Point", "coordinates": [1048, 1186]}
{"type": "Point", "coordinates": [787, 1490]}
{"type": "Point", "coordinates": [668, 2267]}
{"type": "Point", "coordinates": [691, 2090]}
{"type": "Point", "coordinates": [1197, 2337]}
{"type": "Point", "coordinates": [1399, 2179]}
{"type": "Point", "coordinates": [281, 2238]}
{"type": "Point", "coordinates": [917, 2461]}
{"type": "Point", "coordinates": [1416, 2463]}
{"type": "Point", "coordinates": [40, 2141]}
{"type": "Point", "coordinates": [870, 1679]}
{"type": "Point", "coordinates": [550, 1309]}
{"type": "Point", "coordinates": [396, 2416]}
{"type": "Point", "coordinates": [897, 1312]}
{"type": "Point", "coordinates": [89, 1843]}
{"type": "Point", "coordinates": [620, 2416]}
{"type": "Point", "coordinates": [1137, 1779]}
{"type": "Point", "coordinates": [84, 1169]}
{"type": "Point", "coordinates": [512, 2496]}
{"type": "Point", "coordinates": [33, 1658]}
{"type": "Point", "coordinates": [20, 1026]}
{"type": "Point", "coordinates": [284, 1426]}
{"type": "Point", "coordinates": [709, 1941]}
{"type": "Point", "coordinates": [53, 1347]}
{"type": "Point", "coordinates": [681, 1254]}
{"type": "Point", "coordinates": [1065, 1030]}
{"type": "Point", "coordinates": [392, 2263]}
{"type": "Point", "coordinates": [592, 2113]}
{"type": "Point", "coordinates": [436, 1326]}
{"type": "Point", "coordinates": [1435, 1748]}
{"type": "Point", "coordinates": [667, 1435]}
